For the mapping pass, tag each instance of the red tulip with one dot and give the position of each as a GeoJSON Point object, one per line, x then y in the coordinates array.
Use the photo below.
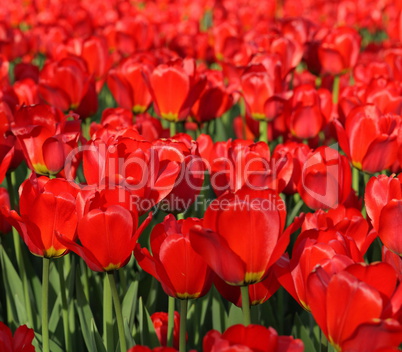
{"type": "Point", "coordinates": [114, 232]}
{"type": "Point", "coordinates": [160, 322]}
{"type": "Point", "coordinates": [347, 221]}
{"type": "Point", "coordinates": [175, 87]}
{"type": "Point", "coordinates": [191, 176]}
{"type": "Point", "coordinates": [53, 202]}
{"type": "Point", "coordinates": [326, 179]}
{"type": "Point", "coordinates": [182, 272]}
{"type": "Point", "coordinates": [252, 338]}
{"type": "Point", "coordinates": [339, 50]}
{"type": "Point", "coordinates": [127, 84]}
{"type": "Point", "coordinates": [4, 202]}
{"type": "Point", "coordinates": [305, 115]}
{"type": "Point", "coordinates": [383, 199]}
{"type": "Point", "coordinates": [10, 150]}
{"type": "Point", "coordinates": [20, 342]}
{"type": "Point", "coordinates": [46, 137]}
{"type": "Point", "coordinates": [242, 235]}
{"type": "Point", "coordinates": [66, 84]}
{"type": "Point", "coordinates": [369, 139]}
{"type": "Point", "coordinates": [214, 100]}
{"type": "Point", "coordinates": [351, 307]}
{"type": "Point", "coordinates": [239, 163]}
{"type": "Point", "coordinates": [329, 248]}
{"type": "Point", "coordinates": [394, 260]}
{"type": "Point", "coordinates": [127, 160]}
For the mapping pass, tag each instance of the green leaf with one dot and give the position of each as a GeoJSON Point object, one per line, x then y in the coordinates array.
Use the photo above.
{"type": "Point", "coordinates": [97, 339]}
{"type": "Point", "coordinates": [146, 330]}
{"type": "Point", "coordinates": [129, 304]}
{"type": "Point", "coordinates": [14, 288]}
{"type": "Point", "coordinates": [302, 332]}
{"type": "Point", "coordinates": [85, 317]}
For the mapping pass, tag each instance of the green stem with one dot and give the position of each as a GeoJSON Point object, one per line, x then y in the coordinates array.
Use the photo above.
{"type": "Point", "coordinates": [183, 321]}
{"type": "Point", "coordinates": [45, 305]}
{"type": "Point", "coordinates": [64, 305]}
{"type": "Point", "coordinates": [171, 304]}
{"type": "Point", "coordinates": [355, 180]}
{"type": "Point", "coordinates": [335, 89]}
{"type": "Point", "coordinates": [117, 308]}
{"type": "Point", "coordinates": [107, 316]}
{"type": "Point", "coordinates": [172, 128]}
{"type": "Point", "coordinates": [263, 131]}
{"type": "Point", "coordinates": [245, 303]}
{"type": "Point", "coordinates": [11, 181]}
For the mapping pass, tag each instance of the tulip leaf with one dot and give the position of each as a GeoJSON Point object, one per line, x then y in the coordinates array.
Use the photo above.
{"type": "Point", "coordinates": [129, 304]}
{"type": "Point", "coordinates": [55, 315]}
{"type": "Point", "coordinates": [97, 339]}
{"type": "Point", "coordinates": [302, 332]}
{"type": "Point", "coordinates": [147, 335]}
{"type": "Point", "coordinates": [14, 288]}
{"type": "Point", "coordinates": [85, 316]}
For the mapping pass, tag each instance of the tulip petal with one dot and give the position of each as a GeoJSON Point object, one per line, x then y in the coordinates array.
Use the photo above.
{"type": "Point", "coordinates": [218, 255]}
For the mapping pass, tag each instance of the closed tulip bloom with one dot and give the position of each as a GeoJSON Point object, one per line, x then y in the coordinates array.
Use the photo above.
{"type": "Point", "coordinates": [339, 50]}
{"type": "Point", "coordinates": [174, 88]}
{"type": "Point", "coordinates": [251, 338]}
{"type": "Point", "coordinates": [181, 271]}
{"type": "Point", "coordinates": [383, 199]}
{"type": "Point", "coordinates": [46, 208]}
{"type": "Point", "coordinates": [128, 86]}
{"type": "Point", "coordinates": [326, 179]}
{"type": "Point", "coordinates": [242, 235]}
{"type": "Point", "coordinates": [370, 139]}
{"type": "Point", "coordinates": [107, 236]}
{"type": "Point", "coordinates": [160, 323]}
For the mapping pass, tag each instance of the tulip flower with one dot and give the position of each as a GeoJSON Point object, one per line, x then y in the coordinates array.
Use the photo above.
{"type": "Point", "coordinates": [127, 84]}
{"type": "Point", "coordinates": [160, 323]}
{"type": "Point", "coordinates": [4, 202]}
{"type": "Point", "coordinates": [66, 84]}
{"type": "Point", "coordinates": [20, 342]}
{"type": "Point", "coordinates": [351, 307]}
{"type": "Point", "coordinates": [214, 100]}
{"type": "Point", "coordinates": [54, 202]}
{"type": "Point", "coordinates": [250, 338]}
{"type": "Point", "coordinates": [307, 110]}
{"type": "Point", "coordinates": [326, 179]}
{"type": "Point", "coordinates": [182, 272]}
{"type": "Point", "coordinates": [46, 137]}
{"type": "Point", "coordinates": [242, 235]}
{"type": "Point", "coordinates": [239, 163]}
{"type": "Point", "coordinates": [174, 88]}
{"type": "Point", "coordinates": [113, 229]}
{"type": "Point", "coordinates": [383, 199]}
{"type": "Point", "coordinates": [330, 249]}
{"type": "Point", "coordinates": [183, 150]}
{"type": "Point", "coordinates": [369, 139]}
{"type": "Point", "coordinates": [339, 50]}
{"type": "Point", "coordinates": [148, 171]}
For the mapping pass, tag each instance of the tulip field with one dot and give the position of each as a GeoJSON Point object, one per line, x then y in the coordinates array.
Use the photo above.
{"type": "Point", "coordinates": [200, 175]}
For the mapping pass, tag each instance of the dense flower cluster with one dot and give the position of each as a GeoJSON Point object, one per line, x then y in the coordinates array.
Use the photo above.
{"type": "Point", "coordinates": [268, 133]}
